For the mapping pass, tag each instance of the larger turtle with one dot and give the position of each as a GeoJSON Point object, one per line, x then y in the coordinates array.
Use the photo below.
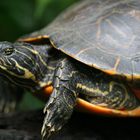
{"type": "Point", "coordinates": [88, 57]}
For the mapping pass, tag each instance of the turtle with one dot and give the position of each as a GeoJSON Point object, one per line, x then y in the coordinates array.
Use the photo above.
{"type": "Point", "coordinates": [88, 58]}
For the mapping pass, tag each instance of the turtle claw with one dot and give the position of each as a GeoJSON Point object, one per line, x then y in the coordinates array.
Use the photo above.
{"type": "Point", "coordinates": [57, 115]}
{"type": "Point", "coordinates": [46, 129]}
{"type": "Point", "coordinates": [50, 124]}
{"type": "Point", "coordinates": [51, 101]}
{"type": "Point", "coordinates": [43, 132]}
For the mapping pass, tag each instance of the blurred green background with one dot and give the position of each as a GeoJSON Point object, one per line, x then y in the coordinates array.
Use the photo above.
{"type": "Point", "coordinates": [19, 17]}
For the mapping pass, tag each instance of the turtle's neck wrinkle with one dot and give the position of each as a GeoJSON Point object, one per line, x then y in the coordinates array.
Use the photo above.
{"type": "Point", "coordinates": [46, 61]}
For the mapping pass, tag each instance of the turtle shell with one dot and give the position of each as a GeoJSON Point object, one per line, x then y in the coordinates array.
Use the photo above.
{"type": "Point", "coordinates": [104, 34]}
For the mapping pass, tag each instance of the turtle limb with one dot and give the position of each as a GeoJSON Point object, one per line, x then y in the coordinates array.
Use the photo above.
{"type": "Point", "coordinates": [10, 96]}
{"type": "Point", "coordinates": [61, 103]}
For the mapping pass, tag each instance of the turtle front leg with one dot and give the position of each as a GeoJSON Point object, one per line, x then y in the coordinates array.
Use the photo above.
{"type": "Point", "coordinates": [62, 101]}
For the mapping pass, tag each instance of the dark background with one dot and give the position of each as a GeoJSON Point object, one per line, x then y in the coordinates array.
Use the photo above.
{"type": "Point", "coordinates": [18, 17]}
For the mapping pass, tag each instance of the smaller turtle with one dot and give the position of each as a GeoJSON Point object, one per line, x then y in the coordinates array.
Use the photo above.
{"type": "Point", "coordinates": [89, 57]}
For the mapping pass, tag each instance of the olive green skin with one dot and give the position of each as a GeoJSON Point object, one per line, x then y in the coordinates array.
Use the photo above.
{"type": "Point", "coordinates": [104, 34]}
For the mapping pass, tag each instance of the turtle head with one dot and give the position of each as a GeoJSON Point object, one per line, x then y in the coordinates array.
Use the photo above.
{"type": "Point", "coordinates": [21, 63]}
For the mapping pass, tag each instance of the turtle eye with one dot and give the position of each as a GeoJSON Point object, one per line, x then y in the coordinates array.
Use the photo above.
{"type": "Point", "coordinates": [8, 51]}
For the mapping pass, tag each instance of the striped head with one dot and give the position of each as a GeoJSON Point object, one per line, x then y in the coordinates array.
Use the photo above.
{"type": "Point", "coordinates": [22, 64]}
